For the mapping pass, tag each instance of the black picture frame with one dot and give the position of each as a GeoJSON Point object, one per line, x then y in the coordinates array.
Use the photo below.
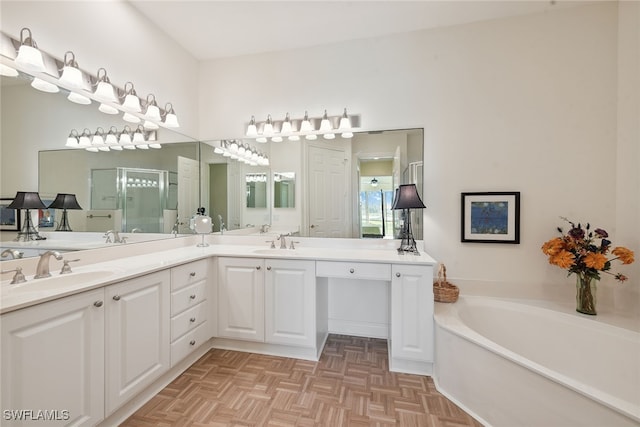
{"type": "Point", "coordinates": [9, 218]}
{"type": "Point", "coordinates": [490, 217]}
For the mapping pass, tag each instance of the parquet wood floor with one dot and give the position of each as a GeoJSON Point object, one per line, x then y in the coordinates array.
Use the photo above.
{"type": "Point", "coordinates": [350, 386]}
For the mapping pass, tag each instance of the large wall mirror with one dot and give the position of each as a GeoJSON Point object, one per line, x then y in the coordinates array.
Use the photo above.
{"type": "Point", "coordinates": [338, 188]}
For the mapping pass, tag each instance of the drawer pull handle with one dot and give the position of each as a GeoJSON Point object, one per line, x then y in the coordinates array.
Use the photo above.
{"type": "Point", "coordinates": [258, 268]}
{"type": "Point", "coordinates": [351, 270]}
{"type": "Point", "coordinates": [269, 268]}
{"type": "Point", "coordinates": [116, 297]}
{"type": "Point", "coordinates": [98, 303]}
{"type": "Point", "coordinates": [397, 274]}
{"type": "Point", "coordinates": [192, 296]}
{"type": "Point", "coordinates": [193, 319]}
{"type": "Point", "coordinates": [192, 274]}
{"type": "Point", "coordinates": [192, 342]}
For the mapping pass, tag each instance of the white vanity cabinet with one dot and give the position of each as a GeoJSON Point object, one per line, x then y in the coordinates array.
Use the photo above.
{"type": "Point", "coordinates": [189, 309]}
{"type": "Point", "coordinates": [241, 298]}
{"type": "Point", "coordinates": [53, 359]}
{"type": "Point", "coordinates": [290, 302]}
{"type": "Point", "coordinates": [411, 338]}
{"type": "Point", "coordinates": [137, 336]}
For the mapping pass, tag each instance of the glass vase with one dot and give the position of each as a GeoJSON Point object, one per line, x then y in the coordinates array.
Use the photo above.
{"type": "Point", "coordinates": [586, 294]}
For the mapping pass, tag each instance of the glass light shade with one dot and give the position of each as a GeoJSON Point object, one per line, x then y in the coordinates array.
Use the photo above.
{"type": "Point", "coordinates": [311, 137]}
{"type": "Point", "coordinates": [252, 130]}
{"type": "Point", "coordinates": [347, 135]}
{"type": "Point", "coordinates": [286, 125]}
{"type": "Point", "coordinates": [44, 86]}
{"type": "Point", "coordinates": [138, 136]}
{"type": "Point", "coordinates": [92, 149]}
{"type": "Point", "coordinates": [276, 139]}
{"type": "Point", "coordinates": [233, 147]}
{"type": "Point", "coordinates": [116, 147]}
{"type": "Point", "coordinates": [129, 147]}
{"type": "Point", "coordinates": [78, 99]}
{"type": "Point", "coordinates": [128, 117]}
{"type": "Point", "coordinates": [268, 129]}
{"type": "Point", "coordinates": [71, 77]}
{"type": "Point", "coordinates": [143, 146]}
{"type": "Point", "coordinates": [111, 138]}
{"type": "Point", "coordinates": [294, 138]}
{"type": "Point", "coordinates": [97, 139]}
{"type": "Point", "coordinates": [345, 121]}
{"type": "Point", "coordinates": [329, 136]}
{"type": "Point", "coordinates": [125, 138]}
{"type": "Point", "coordinates": [72, 141]}
{"type": "Point", "coordinates": [261, 139]}
{"type": "Point", "coordinates": [108, 109]}
{"type": "Point", "coordinates": [150, 125]}
{"type": "Point", "coordinates": [171, 121]}
{"type": "Point", "coordinates": [105, 92]}
{"type": "Point", "coordinates": [306, 125]}
{"type": "Point", "coordinates": [153, 113]}
{"type": "Point", "coordinates": [132, 103]}
{"type": "Point", "coordinates": [30, 58]}
{"type": "Point", "coordinates": [7, 71]}
{"type": "Point", "coordinates": [155, 145]}
{"type": "Point", "coordinates": [218, 150]}
{"type": "Point", "coordinates": [104, 148]}
{"type": "Point", "coordinates": [85, 140]}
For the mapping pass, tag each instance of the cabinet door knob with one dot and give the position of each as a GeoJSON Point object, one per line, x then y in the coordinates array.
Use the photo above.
{"type": "Point", "coordinates": [258, 268]}
{"type": "Point", "coordinates": [193, 319]}
{"type": "Point", "coordinates": [351, 270]}
{"type": "Point", "coordinates": [192, 296]}
{"type": "Point", "coordinates": [116, 297]}
{"type": "Point", "coordinates": [192, 274]}
{"type": "Point", "coordinates": [98, 303]}
{"type": "Point", "coordinates": [397, 274]}
{"type": "Point", "coordinates": [192, 342]}
{"type": "Point", "coordinates": [269, 268]}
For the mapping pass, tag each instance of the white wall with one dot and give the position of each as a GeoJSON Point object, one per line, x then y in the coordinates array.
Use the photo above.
{"type": "Point", "coordinates": [526, 104]}
{"type": "Point", "coordinates": [109, 34]}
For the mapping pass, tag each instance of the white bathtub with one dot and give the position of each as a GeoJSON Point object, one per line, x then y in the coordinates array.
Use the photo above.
{"type": "Point", "coordinates": [520, 363]}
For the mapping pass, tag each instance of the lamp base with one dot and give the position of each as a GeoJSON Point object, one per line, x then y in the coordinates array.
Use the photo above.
{"type": "Point", "coordinates": [64, 222]}
{"type": "Point", "coordinates": [28, 232]}
{"type": "Point", "coordinates": [408, 243]}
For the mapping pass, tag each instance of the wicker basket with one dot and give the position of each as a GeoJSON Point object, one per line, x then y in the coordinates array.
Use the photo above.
{"type": "Point", "coordinates": [444, 291]}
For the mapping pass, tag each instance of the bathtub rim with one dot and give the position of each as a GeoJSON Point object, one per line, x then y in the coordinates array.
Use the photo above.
{"type": "Point", "coordinates": [446, 317]}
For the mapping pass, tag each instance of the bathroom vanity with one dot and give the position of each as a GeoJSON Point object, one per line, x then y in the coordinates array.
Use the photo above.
{"type": "Point", "coordinates": [99, 342]}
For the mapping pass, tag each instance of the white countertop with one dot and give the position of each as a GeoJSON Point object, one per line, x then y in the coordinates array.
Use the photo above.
{"type": "Point", "coordinates": [128, 261]}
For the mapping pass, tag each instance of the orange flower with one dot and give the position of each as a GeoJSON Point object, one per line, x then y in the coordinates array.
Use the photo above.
{"type": "Point", "coordinates": [595, 260]}
{"type": "Point", "coordinates": [553, 246]}
{"type": "Point", "coordinates": [563, 259]}
{"type": "Point", "coordinates": [625, 255]}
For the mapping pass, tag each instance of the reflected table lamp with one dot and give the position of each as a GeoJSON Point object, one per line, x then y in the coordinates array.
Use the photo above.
{"type": "Point", "coordinates": [407, 197]}
{"type": "Point", "coordinates": [64, 201]}
{"type": "Point", "coordinates": [27, 200]}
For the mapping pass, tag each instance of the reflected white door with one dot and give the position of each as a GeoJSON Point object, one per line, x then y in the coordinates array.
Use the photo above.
{"type": "Point", "coordinates": [328, 193]}
{"type": "Point", "coordinates": [188, 194]}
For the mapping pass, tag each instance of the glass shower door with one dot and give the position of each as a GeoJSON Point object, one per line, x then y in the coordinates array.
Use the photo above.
{"type": "Point", "coordinates": [144, 198]}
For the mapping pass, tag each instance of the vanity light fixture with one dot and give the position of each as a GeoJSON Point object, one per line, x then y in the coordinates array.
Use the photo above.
{"type": "Point", "coordinates": [406, 198]}
{"type": "Point", "coordinates": [268, 127]}
{"type": "Point", "coordinates": [286, 127]}
{"type": "Point", "coordinates": [374, 182]}
{"type": "Point", "coordinates": [104, 89]}
{"type": "Point", "coordinates": [131, 101]}
{"type": "Point", "coordinates": [252, 130]}
{"type": "Point", "coordinates": [65, 201]}
{"type": "Point", "coordinates": [128, 117]}
{"type": "Point", "coordinates": [29, 57]}
{"type": "Point", "coordinates": [170, 118]}
{"type": "Point", "coordinates": [108, 109]}
{"type": "Point", "coordinates": [84, 140]}
{"type": "Point", "coordinates": [238, 151]}
{"type": "Point", "coordinates": [152, 112]}
{"type": "Point", "coordinates": [306, 125]}
{"type": "Point", "coordinates": [111, 138]}
{"type": "Point", "coordinates": [325, 124]}
{"type": "Point", "coordinates": [72, 139]}
{"type": "Point", "coordinates": [71, 75]}
{"type": "Point", "coordinates": [7, 71]}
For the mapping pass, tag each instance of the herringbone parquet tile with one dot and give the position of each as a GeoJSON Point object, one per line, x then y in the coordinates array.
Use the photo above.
{"type": "Point", "coordinates": [350, 386]}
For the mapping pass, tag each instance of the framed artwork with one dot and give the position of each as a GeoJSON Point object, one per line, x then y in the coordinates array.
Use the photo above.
{"type": "Point", "coordinates": [9, 218]}
{"type": "Point", "coordinates": [492, 217]}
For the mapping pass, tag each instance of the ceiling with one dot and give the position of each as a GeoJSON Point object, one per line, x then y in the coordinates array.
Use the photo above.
{"type": "Point", "coordinates": [210, 29]}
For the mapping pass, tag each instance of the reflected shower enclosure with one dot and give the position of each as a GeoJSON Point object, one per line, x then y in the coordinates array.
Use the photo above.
{"type": "Point", "coordinates": [141, 194]}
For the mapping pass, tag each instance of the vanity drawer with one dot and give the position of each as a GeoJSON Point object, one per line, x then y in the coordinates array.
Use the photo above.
{"type": "Point", "coordinates": [188, 320]}
{"type": "Point", "coordinates": [188, 297]}
{"type": "Point", "coordinates": [187, 274]}
{"type": "Point", "coordinates": [188, 342]}
{"type": "Point", "coordinates": [353, 270]}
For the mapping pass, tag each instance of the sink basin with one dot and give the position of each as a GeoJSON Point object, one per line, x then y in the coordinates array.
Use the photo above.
{"type": "Point", "coordinates": [58, 282]}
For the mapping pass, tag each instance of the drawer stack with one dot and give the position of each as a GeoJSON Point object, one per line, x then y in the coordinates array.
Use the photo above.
{"type": "Point", "coordinates": [189, 309]}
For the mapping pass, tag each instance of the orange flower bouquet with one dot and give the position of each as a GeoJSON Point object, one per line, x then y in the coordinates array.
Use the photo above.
{"type": "Point", "coordinates": [586, 253]}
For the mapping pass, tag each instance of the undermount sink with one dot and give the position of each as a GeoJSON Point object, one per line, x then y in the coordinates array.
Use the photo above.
{"type": "Point", "coordinates": [276, 251]}
{"type": "Point", "coordinates": [58, 281]}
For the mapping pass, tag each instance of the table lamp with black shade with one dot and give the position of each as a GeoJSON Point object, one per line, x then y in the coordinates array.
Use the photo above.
{"type": "Point", "coordinates": [407, 197]}
{"type": "Point", "coordinates": [64, 201]}
{"type": "Point", "coordinates": [27, 200]}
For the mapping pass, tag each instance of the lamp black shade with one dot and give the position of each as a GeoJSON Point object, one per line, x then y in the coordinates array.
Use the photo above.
{"type": "Point", "coordinates": [27, 200]}
{"type": "Point", "coordinates": [407, 197]}
{"type": "Point", "coordinates": [65, 201]}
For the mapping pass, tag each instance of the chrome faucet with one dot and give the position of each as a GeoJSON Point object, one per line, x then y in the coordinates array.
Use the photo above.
{"type": "Point", "coordinates": [116, 237]}
{"type": "Point", "coordinates": [14, 253]}
{"type": "Point", "coordinates": [221, 224]}
{"type": "Point", "coordinates": [283, 241]}
{"type": "Point", "coordinates": [42, 270]}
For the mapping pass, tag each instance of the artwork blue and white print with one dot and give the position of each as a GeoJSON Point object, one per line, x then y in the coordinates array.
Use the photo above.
{"type": "Point", "coordinates": [491, 217]}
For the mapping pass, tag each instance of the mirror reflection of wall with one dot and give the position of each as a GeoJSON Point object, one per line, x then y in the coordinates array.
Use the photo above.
{"type": "Point", "coordinates": [256, 188]}
{"type": "Point", "coordinates": [284, 190]}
